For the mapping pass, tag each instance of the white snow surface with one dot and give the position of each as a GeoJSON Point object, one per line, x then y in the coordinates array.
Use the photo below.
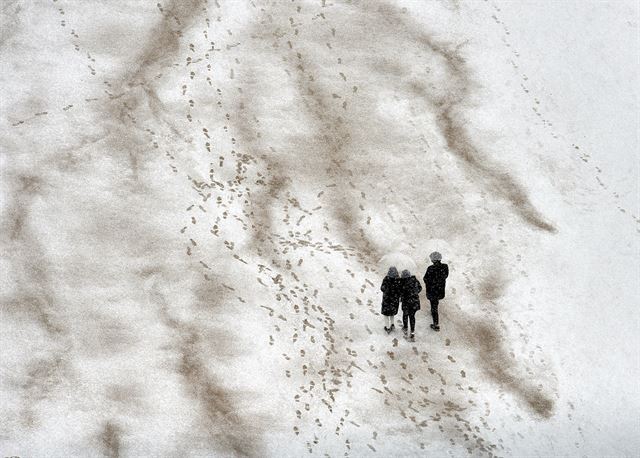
{"type": "Point", "coordinates": [200, 200]}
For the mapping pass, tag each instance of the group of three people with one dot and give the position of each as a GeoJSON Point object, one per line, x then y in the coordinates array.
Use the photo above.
{"type": "Point", "coordinates": [406, 289]}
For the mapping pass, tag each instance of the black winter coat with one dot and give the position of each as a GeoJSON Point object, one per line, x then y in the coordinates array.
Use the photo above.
{"type": "Point", "coordinates": [435, 280]}
{"type": "Point", "coordinates": [390, 295]}
{"type": "Point", "coordinates": [411, 288]}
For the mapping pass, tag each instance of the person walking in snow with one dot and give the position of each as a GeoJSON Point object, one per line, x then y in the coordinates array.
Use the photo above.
{"type": "Point", "coordinates": [390, 298]}
{"type": "Point", "coordinates": [435, 280]}
{"type": "Point", "coordinates": [410, 288]}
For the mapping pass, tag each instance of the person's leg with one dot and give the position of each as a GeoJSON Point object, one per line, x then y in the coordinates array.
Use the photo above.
{"type": "Point", "coordinates": [404, 320]}
{"type": "Point", "coordinates": [412, 319]}
{"type": "Point", "coordinates": [392, 320]}
{"type": "Point", "coordinates": [434, 311]}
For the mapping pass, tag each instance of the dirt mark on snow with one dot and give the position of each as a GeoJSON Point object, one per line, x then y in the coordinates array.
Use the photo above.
{"type": "Point", "coordinates": [499, 365]}
{"type": "Point", "coordinates": [196, 347]}
{"type": "Point", "coordinates": [450, 101]}
{"type": "Point", "coordinates": [110, 440]}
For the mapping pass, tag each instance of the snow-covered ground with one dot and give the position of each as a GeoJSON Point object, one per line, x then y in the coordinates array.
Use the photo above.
{"type": "Point", "coordinates": [197, 198]}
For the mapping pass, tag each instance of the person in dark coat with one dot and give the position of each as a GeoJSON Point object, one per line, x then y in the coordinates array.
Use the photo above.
{"type": "Point", "coordinates": [390, 298]}
{"type": "Point", "coordinates": [435, 280]}
{"type": "Point", "coordinates": [410, 288]}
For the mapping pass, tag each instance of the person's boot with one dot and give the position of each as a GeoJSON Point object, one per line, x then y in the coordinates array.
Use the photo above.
{"type": "Point", "coordinates": [435, 327]}
{"type": "Point", "coordinates": [404, 331]}
{"type": "Point", "coordinates": [387, 330]}
{"type": "Point", "coordinates": [412, 337]}
{"type": "Point", "coordinates": [392, 328]}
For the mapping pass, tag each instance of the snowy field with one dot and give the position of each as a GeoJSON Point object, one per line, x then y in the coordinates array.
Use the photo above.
{"type": "Point", "coordinates": [197, 197]}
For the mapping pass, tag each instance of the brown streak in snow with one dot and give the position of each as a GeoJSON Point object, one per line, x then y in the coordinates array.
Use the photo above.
{"type": "Point", "coordinates": [219, 419]}
{"type": "Point", "coordinates": [110, 440]}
